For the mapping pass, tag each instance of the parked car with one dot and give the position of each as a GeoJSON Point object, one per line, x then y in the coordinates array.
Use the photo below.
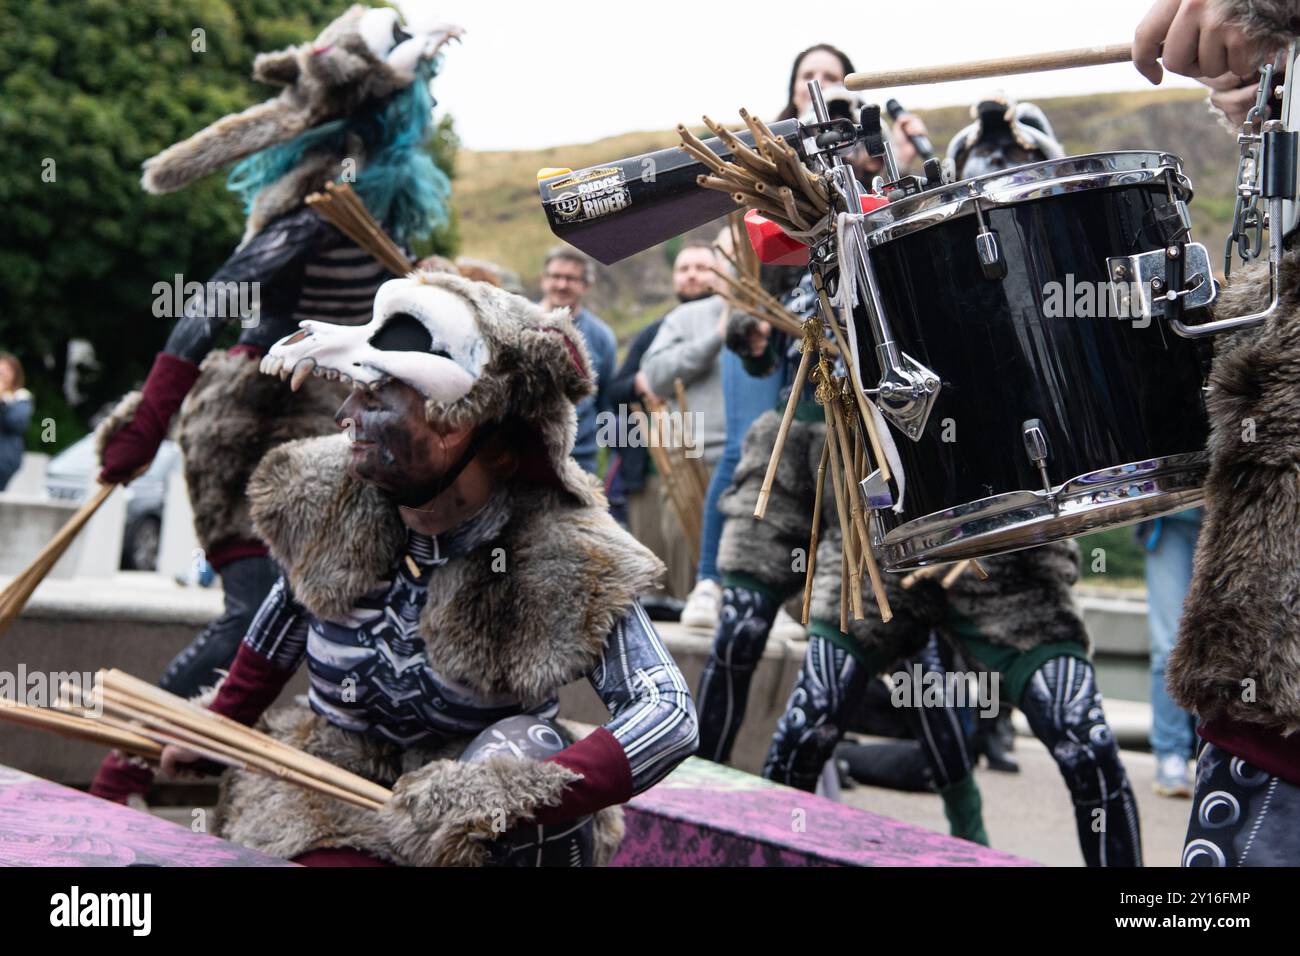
{"type": "Point", "coordinates": [71, 473]}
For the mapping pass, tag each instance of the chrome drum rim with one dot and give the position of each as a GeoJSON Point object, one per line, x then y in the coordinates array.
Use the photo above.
{"type": "Point", "coordinates": [1095, 501]}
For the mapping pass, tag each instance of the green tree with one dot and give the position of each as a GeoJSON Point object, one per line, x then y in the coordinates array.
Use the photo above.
{"type": "Point", "coordinates": [89, 89]}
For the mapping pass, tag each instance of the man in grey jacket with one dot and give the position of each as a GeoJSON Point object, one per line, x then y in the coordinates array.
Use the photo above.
{"type": "Point", "coordinates": [688, 346]}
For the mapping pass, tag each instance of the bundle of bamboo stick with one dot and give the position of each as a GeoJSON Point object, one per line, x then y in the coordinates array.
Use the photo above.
{"type": "Point", "coordinates": [342, 207]}
{"type": "Point", "coordinates": [18, 591]}
{"type": "Point", "coordinates": [685, 478]}
{"type": "Point", "coordinates": [141, 719]}
{"type": "Point", "coordinates": [768, 177]}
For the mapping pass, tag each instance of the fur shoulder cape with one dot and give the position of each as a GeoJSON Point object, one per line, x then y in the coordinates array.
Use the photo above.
{"type": "Point", "coordinates": [1238, 649]}
{"type": "Point", "coordinates": [522, 614]}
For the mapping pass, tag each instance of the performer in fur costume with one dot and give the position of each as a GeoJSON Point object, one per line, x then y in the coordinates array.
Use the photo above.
{"type": "Point", "coordinates": [1236, 664]}
{"type": "Point", "coordinates": [355, 106]}
{"type": "Point", "coordinates": [446, 571]}
{"type": "Point", "coordinates": [1021, 623]}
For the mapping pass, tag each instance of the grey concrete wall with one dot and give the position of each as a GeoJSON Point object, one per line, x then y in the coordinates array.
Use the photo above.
{"type": "Point", "coordinates": [138, 622]}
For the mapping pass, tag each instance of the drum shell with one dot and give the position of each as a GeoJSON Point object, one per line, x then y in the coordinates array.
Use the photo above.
{"type": "Point", "coordinates": [1109, 391]}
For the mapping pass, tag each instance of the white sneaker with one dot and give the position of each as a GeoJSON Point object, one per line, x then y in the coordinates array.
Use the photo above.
{"type": "Point", "coordinates": [786, 628]}
{"type": "Point", "coordinates": [1172, 778]}
{"type": "Point", "coordinates": [703, 605]}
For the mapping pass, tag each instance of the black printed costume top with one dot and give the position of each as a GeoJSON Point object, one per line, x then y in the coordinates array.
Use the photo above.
{"type": "Point", "coordinates": [305, 269]}
{"type": "Point", "coordinates": [371, 673]}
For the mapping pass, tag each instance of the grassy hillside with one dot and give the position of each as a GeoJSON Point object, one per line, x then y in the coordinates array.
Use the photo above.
{"type": "Point", "coordinates": [501, 218]}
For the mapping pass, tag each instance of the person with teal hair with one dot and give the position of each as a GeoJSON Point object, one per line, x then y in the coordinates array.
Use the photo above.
{"type": "Point", "coordinates": [355, 108]}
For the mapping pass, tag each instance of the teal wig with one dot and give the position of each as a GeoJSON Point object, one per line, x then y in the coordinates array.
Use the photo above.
{"type": "Point", "coordinates": [398, 180]}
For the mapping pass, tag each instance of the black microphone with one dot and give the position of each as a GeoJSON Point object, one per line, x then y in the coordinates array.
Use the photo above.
{"type": "Point", "coordinates": [922, 144]}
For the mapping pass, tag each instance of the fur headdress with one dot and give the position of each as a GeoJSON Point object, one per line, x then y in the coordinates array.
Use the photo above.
{"type": "Point", "coordinates": [477, 353]}
{"type": "Point", "coordinates": [365, 54]}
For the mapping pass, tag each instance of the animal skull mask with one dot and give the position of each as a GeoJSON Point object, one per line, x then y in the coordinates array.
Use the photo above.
{"type": "Point", "coordinates": [423, 335]}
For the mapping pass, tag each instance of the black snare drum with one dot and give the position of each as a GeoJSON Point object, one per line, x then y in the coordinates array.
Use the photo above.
{"type": "Point", "coordinates": [1047, 423]}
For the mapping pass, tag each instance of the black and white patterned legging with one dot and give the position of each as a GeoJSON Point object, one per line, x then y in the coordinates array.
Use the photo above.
{"type": "Point", "coordinates": [1064, 710]}
{"type": "Point", "coordinates": [1241, 815]}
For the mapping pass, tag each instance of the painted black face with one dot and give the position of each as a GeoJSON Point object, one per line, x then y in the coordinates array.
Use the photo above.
{"type": "Point", "coordinates": [393, 446]}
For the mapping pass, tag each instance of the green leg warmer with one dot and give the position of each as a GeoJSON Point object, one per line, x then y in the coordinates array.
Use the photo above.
{"type": "Point", "coordinates": [964, 810]}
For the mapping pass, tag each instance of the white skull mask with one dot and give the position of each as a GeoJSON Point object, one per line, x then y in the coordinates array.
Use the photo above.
{"type": "Point", "coordinates": [422, 335]}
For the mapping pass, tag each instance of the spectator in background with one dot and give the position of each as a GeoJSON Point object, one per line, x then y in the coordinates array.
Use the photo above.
{"type": "Point", "coordinates": [15, 416]}
{"type": "Point", "coordinates": [566, 276]}
{"type": "Point", "coordinates": [1170, 544]}
{"type": "Point", "coordinates": [631, 483]}
{"type": "Point", "coordinates": [688, 346]}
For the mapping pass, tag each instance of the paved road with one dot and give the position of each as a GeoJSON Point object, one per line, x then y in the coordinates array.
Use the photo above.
{"type": "Point", "coordinates": [1029, 813]}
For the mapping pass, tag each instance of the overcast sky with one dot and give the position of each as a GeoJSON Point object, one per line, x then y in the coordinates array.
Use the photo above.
{"type": "Point", "coordinates": [531, 75]}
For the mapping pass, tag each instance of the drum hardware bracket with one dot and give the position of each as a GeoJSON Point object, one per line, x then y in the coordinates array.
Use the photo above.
{"type": "Point", "coordinates": [907, 390]}
{"type": "Point", "coordinates": [1247, 232]}
{"type": "Point", "coordinates": [1147, 274]}
{"type": "Point", "coordinates": [1036, 448]}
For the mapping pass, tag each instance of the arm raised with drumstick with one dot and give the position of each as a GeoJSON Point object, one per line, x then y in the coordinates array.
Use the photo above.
{"type": "Point", "coordinates": [1207, 39]}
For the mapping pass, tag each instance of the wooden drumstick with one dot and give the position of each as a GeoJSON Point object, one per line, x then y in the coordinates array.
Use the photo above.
{"type": "Point", "coordinates": [983, 69]}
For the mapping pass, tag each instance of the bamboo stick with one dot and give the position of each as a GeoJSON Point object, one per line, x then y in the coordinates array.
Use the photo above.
{"type": "Point", "coordinates": [844, 462]}
{"type": "Point", "coordinates": [859, 524]}
{"type": "Point", "coordinates": [859, 395]}
{"type": "Point", "coordinates": [816, 525]}
{"type": "Point", "coordinates": [957, 571]}
{"type": "Point", "coordinates": [842, 506]}
{"type": "Point", "coordinates": [232, 753]}
{"type": "Point", "coordinates": [17, 593]}
{"type": "Point", "coordinates": [921, 574]}
{"type": "Point", "coordinates": [222, 730]}
{"type": "Point", "coordinates": [800, 377]}
{"type": "Point", "coordinates": [78, 728]}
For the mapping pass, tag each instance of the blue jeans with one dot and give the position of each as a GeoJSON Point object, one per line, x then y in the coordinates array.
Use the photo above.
{"type": "Point", "coordinates": [746, 397]}
{"type": "Point", "coordinates": [1169, 574]}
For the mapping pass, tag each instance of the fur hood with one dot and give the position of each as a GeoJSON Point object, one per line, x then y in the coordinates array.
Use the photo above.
{"type": "Point", "coordinates": [523, 614]}
{"type": "Point", "coordinates": [1238, 652]}
{"type": "Point", "coordinates": [1271, 23]}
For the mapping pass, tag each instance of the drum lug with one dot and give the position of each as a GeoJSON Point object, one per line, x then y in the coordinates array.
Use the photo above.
{"type": "Point", "coordinates": [990, 253]}
{"type": "Point", "coordinates": [989, 249]}
{"type": "Point", "coordinates": [1035, 439]}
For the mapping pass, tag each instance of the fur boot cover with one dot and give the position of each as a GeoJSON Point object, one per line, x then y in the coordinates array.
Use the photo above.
{"type": "Point", "coordinates": [443, 812]}
{"type": "Point", "coordinates": [1270, 23]}
{"type": "Point", "coordinates": [1238, 652]}
{"type": "Point", "coordinates": [232, 416]}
